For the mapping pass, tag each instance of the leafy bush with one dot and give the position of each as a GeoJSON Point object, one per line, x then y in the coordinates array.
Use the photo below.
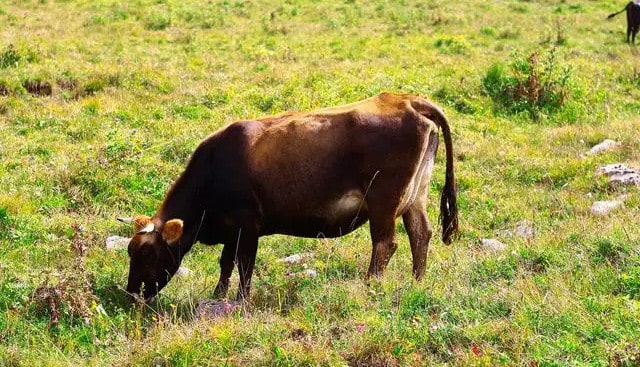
{"type": "Point", "coordinates": [157, 21]}
{"type": "Point", "coordinates": [13, 55]}
{"type": "Point", "coordinates": [536, 85]}
{"type": "Point", "coordinates": [453, 45]}
{"type": "Point", "coordinates": [9, 57]}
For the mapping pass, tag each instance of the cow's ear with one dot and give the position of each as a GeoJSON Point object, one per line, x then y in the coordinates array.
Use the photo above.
{"type": "Point", "coordinates": [139, 221]}
{"type": "Point", "coordinates": [172, 231]}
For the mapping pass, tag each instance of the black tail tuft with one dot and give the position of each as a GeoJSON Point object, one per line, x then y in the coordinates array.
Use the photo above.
{"type": "Point", "coordinates": [449, 210]}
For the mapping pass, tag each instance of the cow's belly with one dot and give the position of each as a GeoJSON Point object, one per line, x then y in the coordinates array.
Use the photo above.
{"type": "Point", "coordinates": [332, 218]}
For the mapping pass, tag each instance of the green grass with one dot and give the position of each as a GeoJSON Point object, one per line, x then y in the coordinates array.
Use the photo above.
{"type": "Point", "coordinates": [102, 102]}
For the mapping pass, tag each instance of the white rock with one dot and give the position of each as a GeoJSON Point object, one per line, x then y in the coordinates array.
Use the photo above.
{"type": "Point", "coordinates": [614, 169]}
{"type": "Point", "coordinates": [604, 146]}
{"type": "Point", "coordinates": [183, 272]}
{"type": "Point", "coordinates": [116, 243]}
{"type": "Point", "coordinates": [604, 207]}
{"type": "Point", "coordinates": [525, 229]}
{"type": "Point", "coordinates": [493, 244]}
{"type": "Point", "coordinates": [297, 258]}
{"type": "Point", "coordinates": [620, 174]}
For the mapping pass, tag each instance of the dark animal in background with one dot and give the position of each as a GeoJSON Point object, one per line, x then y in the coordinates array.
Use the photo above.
{"type": "Point", "coordinates": [313, 174]}
{"type": "Point", "coordinates": [633, 19]}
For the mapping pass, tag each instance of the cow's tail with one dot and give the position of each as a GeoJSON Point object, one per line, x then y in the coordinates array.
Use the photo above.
{"type": "Point", "coordinates": [621, 11]}
{"type": "Point", "coordinates": [448, 197]}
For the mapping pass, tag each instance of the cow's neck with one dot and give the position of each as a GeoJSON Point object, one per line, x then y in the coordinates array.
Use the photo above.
{"type": "Point", "coordinates": [183, 201]}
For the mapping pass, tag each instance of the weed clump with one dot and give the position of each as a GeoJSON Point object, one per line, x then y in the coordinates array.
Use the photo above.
{"type": "Point", "coordinates": [372, 356]}
{"type": "Point", "coordinates": [66, 81]}
{"type": "Point", "coordinates": [4, 221]}
{"type": "Point", "coordinates": [4, 89]}
{"type": "Point", "coordinates": [629, 283]}
{"type": "Point", "coordinates": [68, 292]}
{"type": "Point", "coordinates": [537, 85]}
{"type": "Point", "coordinates": [38, 87]}
{"type": "Point", "coordinates": [457, 97]}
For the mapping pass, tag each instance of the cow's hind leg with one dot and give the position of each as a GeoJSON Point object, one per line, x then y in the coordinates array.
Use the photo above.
{"type": "Point", "coordinates": [415, 218]}
{"type": "Point", "coordinates": [246, 258]}
{"type": "Point", "coordinates": [419, 230]}
{"type": "Point", "coordinates": [226, 268]}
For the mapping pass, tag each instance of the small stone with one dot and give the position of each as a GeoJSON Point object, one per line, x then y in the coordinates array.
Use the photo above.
{"type": "Point", "coordinates": [601, 208]}
{"type": "Point", "coordinates": [307, 273]}
{"type": "Point", "coordinates": [604, 146]}
{"type": "Point", "coordinates": [493, 244]}
{"type": "Point", "coordinates": [116, 243]}
{"type": "Point", "coordinates": [297, 258]}
{"type": "Point", "coordinates": [525, 229]}
{"type": "Point", "coordinates": [310, 273]}
{"type": "Point", "coordinates": [183, 272]}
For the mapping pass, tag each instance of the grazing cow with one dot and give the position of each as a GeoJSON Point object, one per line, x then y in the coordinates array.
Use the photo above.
{"type": "Point", "coordinates": [633, 19]}
{"type": "Point", "coordinates": [310, 174]}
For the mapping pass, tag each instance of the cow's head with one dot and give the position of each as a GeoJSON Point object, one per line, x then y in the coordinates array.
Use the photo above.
{"type": "Point", "coordinates": [154, 254]}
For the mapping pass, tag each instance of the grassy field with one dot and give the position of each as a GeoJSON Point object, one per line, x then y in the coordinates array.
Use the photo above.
{"type": "Point", "coordinates": [102, 103]}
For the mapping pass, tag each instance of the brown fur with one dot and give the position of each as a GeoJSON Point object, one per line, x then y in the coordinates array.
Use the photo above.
{"type": "Point", "coordinates": [321, 173]}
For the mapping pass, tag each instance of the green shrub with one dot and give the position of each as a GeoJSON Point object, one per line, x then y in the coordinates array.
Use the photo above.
{"type": "Point", "coordinates": [157, 21]}
{"type": "Point", "coordinates": [534, 85]}
{"type": "Point", "coordinates": [452, 45]}
{"type": "Point", "coordinates": [9, 57]}
{"type": "Point", "coordinates": [12, 56]}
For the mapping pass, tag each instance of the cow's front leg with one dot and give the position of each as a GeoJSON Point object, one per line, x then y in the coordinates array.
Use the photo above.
{"type": "Point", "coordinates": [226, 268]}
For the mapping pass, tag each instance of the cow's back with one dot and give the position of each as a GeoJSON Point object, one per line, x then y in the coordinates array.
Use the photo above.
{"type": "Point", "coordinates": [311, 171]}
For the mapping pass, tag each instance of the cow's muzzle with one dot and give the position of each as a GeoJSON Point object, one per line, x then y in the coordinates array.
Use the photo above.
{"type": "Point", "coordinates": [137, 299]}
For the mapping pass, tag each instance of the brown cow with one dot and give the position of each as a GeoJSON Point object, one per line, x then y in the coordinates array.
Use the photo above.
{"type": "Point", "coordinates": [310, 174]}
